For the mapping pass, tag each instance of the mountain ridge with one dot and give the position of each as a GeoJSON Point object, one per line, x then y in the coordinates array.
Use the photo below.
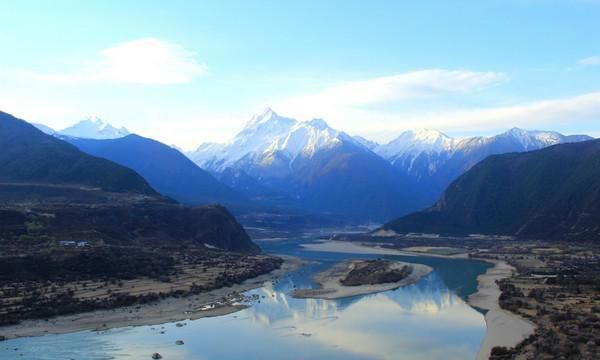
{"type": "Point", "coordinates": [311, 164]}
{"type": "Point", "coordinates": [166, 169]}
{"type": "Point", "coordinates": [548, 193]}
{"type": "Point", "coordinates": [29, 155]}
{"type": "Point", "coordinates": [94, 128]}
{"type": "Point", "coordinates": [275, 153]}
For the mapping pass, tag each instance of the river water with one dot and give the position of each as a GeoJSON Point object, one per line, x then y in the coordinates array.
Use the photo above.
{"type": "Point", "coordinates": [426, 320]}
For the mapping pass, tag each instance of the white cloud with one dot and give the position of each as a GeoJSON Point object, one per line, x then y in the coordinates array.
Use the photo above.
{"type": "Point", "coordinates": [144, 61]}
{"type": "Point", "coordinates": [381, 90]}
{"type": "Point", "coordinates": [582, 110]}
{"type": "Point", "coordinates": [360, 107]}
{"type": "Point", "coordinates": [592, 60]}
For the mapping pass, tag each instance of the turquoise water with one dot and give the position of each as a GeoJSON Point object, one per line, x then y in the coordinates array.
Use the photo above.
{"type": "Point", "coordinates": [427, 320]}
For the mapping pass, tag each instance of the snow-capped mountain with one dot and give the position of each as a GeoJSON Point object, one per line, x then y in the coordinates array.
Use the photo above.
{"type": "Point", "coordinates": [435, 159]}
{"type": "Point", "coordinates": [309, 164]}
{"type": "Point", "coordinates": [305, 164]}
{"type": "Point", "coordinates": [416, 142]}
{"type": "Point", "coordinates": [369, 144]}
{"type": "Point", "coordinates": [94, 128]}
{"type": "Point", "coordinates": [433, 148]}
{"type": "Point", "coordinates": [269, 139]}
{"type": "Point", "coordinates": [522, 140]}
{"type": "Point", "coordinates": [417, 152]}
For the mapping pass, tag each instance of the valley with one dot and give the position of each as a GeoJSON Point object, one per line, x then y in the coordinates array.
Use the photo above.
{"type": "Point", "coordinates": [80, 234]}
{"type": "Point", "coordinates": [144, 245]}
{"type": "Point", "coordinates": [299, 180]}
{"type": "Point", "coordinates": [270, 316]}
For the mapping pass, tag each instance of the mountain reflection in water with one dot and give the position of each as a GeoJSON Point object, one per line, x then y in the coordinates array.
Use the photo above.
{"type": "Point", "coordinates": [426, 320]}
{"type": "Point", "coordinates": [421, 321]}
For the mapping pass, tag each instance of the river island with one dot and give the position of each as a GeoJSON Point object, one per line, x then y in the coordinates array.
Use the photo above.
{"type": "Point", "coordinates": [361, 277]}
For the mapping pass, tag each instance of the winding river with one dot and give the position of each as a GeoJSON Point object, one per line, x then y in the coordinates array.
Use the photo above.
{"type": "Point", "coordinates": [426, 320]}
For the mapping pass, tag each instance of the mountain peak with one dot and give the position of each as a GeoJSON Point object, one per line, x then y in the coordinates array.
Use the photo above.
{"type": "Point", "coordinates": [267, 111]}
{"type": "Point", "coordinates": [369, 144]}
{"type": "Point", "coordinates": [533, 139]}
{"type": "Point", "coordinates": [425, 135]}
{"type": "Point", "coordinates": [541, 138]}
{"type": "Point", "coordinates": [318, 123]}
{"type": "Point", "coordinates": [263, 117]}
{"type": "Point", "coordinates": [519, 132]}
{"type": "Point", "coordinates": [94, 127]}
{"type": "Point", "coordinates": [266, 136]}
{"type": "Point", "coordinates": [415, 142]}
{"type": "Point", "coordinates": [516, 129]}
{"type": "Point", "coordinates": [94, 119]}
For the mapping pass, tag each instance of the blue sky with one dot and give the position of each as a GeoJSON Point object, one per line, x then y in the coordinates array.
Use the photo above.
{"type": "Point", "coordinates": [187, 72]}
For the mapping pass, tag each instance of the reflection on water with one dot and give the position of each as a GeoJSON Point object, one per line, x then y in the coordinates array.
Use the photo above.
{"type": "Point", "coordinates": [426, 320]}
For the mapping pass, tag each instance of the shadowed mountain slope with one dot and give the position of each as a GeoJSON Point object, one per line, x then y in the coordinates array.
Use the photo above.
{"type": "Point", "coordinates": [166, 169]}
{"type": "Point", "coordinates": [29, 155]}
{"type": "Point", "coordinates": [552, 193]}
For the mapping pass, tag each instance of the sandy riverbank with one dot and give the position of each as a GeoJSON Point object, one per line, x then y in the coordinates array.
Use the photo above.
{"type": "Point", "coordinates": [503, 327]}
{"type": "Point", "coordinates": [168, 310]}
{"type": "Point", "coordinates": [348, 247]}
{"type": "Point", "coordinates": [330, 286]}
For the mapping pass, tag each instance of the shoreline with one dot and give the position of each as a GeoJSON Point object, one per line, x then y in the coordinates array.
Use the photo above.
{"type": "Point", "coordinates": [503, 328]}
{"type": "Point", "coordinates": [330, 287]}
{"type": "Point", "coordinates": [348, 247]}
{"type": "Point", "coordinates": [164, 311]}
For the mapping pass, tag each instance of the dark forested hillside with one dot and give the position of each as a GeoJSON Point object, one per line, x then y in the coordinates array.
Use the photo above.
{"type": "Point", "coordinates": [551, 193]}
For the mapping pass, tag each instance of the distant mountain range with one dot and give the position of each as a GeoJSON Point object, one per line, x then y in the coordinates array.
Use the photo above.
{"type": "Point", "coordinates": [311, 165]}
{"type": "Point", "coordinates": [94, 128]}
{"type": "Point", "coordinates": [276, 161]}
{"type": "Point", "coordinates": [553, 193]}
{"type": "Point", "coordinates": [434, 159]}
{"type": "Point", "coordinates": [166, 169]}
{"type": "Point", "coordinates": [90, 128]}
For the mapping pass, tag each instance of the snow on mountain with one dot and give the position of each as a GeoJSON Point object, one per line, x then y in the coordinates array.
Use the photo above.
{"type": "Point", "coordinates": [94, 128]}
{"type": "Point", "coordinates": [534, 139]}
{"type": "Point", "coordinates": [423, 153]}
{"type": "Point", "coordinates": [306, 138]}
{"type": "Point", "coordinates": [417, 152]}
{"type": "Point", "coordinates": [416, 142]}
{"type": "Point", "coordinates": [519, 140]}
{"type": "Point", "coordinates": [369, 144]}
{"type": "Point", "coordinates": [205, 153]}
{"type": "Point", "coordinates": [268, 138]}
{"type": "Point", "coordinates": [309, 164]}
